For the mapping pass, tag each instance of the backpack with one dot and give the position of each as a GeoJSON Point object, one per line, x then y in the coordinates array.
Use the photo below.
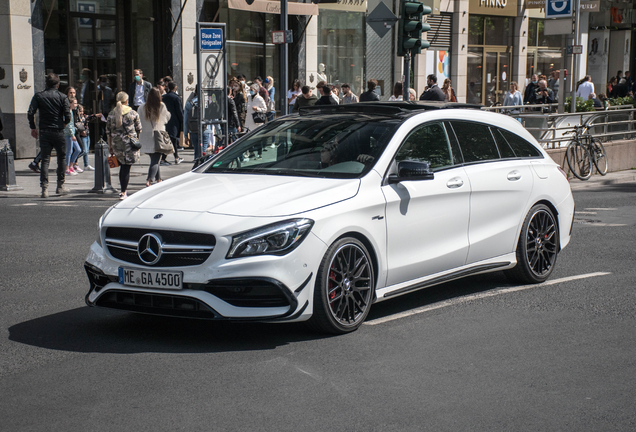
{"type": "Point", "coordinates": [194, 116]}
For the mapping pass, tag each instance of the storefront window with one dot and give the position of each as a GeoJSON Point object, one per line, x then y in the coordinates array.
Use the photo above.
{"type": "Point", "coordinates": [341, 47]}
{"type": "Point", "coordinates": [498, 30]}
{"type": "Point", "coordinates": [474, 75]}
{"type": "Point", "coordinates": [94, 6]}
{"type": "Point", "coordinates": [537, 37]}
{"type": "Point", "coordinates": [476, 30]}
{"type": "Point", "coordinates": [143, 58]}
{"type": "Point", "coordinates": [56, 48]}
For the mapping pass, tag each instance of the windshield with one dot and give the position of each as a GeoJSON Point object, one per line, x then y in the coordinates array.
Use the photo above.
{"type": "Point", "coordinates": [329, 146]}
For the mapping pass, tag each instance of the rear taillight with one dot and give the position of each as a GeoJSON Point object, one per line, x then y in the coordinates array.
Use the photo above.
{"type": "Point", "coordinates": [563, 172]}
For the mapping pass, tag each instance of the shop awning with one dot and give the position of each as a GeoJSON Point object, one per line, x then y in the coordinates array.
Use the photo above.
{"type": "Point", "coordinates": [273, 7]}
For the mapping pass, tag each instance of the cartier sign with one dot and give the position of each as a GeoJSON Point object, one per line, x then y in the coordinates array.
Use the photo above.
{"type": "Point", "coordinates": [493, 7]}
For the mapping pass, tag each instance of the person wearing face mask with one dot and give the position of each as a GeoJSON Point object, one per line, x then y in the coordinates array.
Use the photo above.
{"type": "Point", "coordinates": [531, 89]}
{"type": "Point", "coordinates": [138, 89]}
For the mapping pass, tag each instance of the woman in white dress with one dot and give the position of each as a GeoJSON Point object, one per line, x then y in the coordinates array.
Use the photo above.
{"type": "Point", "coordinates": [153, 115]}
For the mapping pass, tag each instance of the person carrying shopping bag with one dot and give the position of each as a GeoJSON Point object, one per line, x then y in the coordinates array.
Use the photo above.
{"type": "Point", "coordinates": [122, 129]}
{"type": "Point", "coordinates": [153, 116]}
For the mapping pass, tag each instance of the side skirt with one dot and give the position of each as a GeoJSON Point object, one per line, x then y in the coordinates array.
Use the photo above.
{"type": "Point", "coordinates": [447, 278]}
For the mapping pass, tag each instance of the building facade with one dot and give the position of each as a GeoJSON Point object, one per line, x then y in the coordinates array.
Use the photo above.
{"type": "Point", "coordinates": [480, 45]}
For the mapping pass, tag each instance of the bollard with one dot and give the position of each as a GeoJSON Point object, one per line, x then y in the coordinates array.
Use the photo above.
{"type": "Point", "coordinates": [7, 168]}
{"type": "Point", "coordinates": [102, 170]}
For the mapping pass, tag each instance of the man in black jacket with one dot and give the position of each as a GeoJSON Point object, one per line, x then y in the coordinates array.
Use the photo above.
{"type": "Point", "coordinates": [138, 90]}
{"type": "Point", "coordinates": [174, 127]}
{"type": "Point", "coordinates": [531, 89]}
{"type": "Point", "coordinates": [326, 98]}
{"type": "Point", "coordinates": [433, 93]}
{"type": "Point", "coordinates": [370, 95]}
{"type": "Point", "coordinates": [55, 114]}
{"type": "Point", "coordinates": [305, 100]}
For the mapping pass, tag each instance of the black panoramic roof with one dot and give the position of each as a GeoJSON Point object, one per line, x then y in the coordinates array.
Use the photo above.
{"type": "Point", "coordinates": [397, 108]}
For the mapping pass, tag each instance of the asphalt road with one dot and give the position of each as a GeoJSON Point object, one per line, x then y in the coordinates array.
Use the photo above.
{"type": "Point", "coordinates": [478, 354]}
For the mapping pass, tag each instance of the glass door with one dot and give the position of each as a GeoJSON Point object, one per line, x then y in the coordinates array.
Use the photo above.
{"type": "Point", "coordinates": [93, 61]}
{"type": "Point", "coordinates": [496, 77]}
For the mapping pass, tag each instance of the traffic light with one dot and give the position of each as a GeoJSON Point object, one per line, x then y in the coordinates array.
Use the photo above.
{"type": "Point", "coordinates": [410, 27]}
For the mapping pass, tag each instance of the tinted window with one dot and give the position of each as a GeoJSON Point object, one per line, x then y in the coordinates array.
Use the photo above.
{"type": "Point", "coordinates": [521, 147]}
{"type": "Point", "coordinates": [504, 149]}
{"type": "Point", "coordinates": [476, 141]}
{"type": "Point", "coordinates": [427, 143]}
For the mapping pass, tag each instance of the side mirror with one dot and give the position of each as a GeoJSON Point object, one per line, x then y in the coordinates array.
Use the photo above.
{"type": "Point", "coordinates": [411, 170]}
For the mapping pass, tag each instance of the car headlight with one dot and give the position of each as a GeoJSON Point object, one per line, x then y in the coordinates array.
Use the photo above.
{"type": "Point", "coordinates": [278, 238]}
{"type": "Point", "coordinates": [100, 223]}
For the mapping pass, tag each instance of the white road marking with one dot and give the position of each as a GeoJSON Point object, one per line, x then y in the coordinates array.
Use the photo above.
{"type": "Point", "coordinates": [491, 293]}
{"type": "Point", "coordinates": [601, 209]}
{"type": "Point", "coordinates": [586, 213]}
{"type": "Point", "coordinates": [25, 204]}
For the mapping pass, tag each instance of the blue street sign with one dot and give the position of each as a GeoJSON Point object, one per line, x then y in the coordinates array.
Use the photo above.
{"type": "Point", "coordinates": [558, 8]}
{"type": "Point", "coordinates": [211, 39]}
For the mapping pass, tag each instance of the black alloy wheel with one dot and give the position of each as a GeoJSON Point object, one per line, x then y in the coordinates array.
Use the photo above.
{"type": "Point", "coordinates": [538, 246]}
{"type": "Point", "coordinates": [344, 288]}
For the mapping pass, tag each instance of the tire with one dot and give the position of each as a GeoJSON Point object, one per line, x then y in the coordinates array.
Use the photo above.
{"type": "Point", "coordinates": [599, 157]}
{"type": "Point", "coordinates": [537, 248]}
{"type": "Point", "coordinates": [344, 288]}
{"type": "Point", "coordinates": [579, 160]}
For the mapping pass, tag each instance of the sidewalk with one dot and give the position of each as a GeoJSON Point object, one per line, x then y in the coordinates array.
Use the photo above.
{"type": "Point", "coordinates": [597, 180]}
{"type": "Point", "coordinates": [81, 184]}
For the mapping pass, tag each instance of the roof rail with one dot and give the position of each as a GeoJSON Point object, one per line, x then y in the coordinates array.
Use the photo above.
{"type": "Point", "coordinates": [383, 108]}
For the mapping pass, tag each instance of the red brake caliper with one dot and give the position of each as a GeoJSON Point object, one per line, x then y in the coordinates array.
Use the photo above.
{"type": "Point", "coordinates": [332, 292]}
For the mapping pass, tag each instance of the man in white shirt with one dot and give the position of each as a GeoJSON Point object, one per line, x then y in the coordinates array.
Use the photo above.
{"type": "Point", "coordinates": [585, 88]}
{"type": "Point", "coordinates": [138, 90]}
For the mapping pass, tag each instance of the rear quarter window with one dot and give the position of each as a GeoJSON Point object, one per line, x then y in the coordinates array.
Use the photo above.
{"type": "Point", "coordinates": [521, 147]}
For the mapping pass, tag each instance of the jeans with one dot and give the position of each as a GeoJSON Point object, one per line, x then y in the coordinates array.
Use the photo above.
{"type": "Point", "coordinates": [194, 140]}
{"type": "Point", "coordinates": [270, 116]}
{"type": "Point", "coordinates": [48, 142]}
{"type": "Point", "coordinates": [85, 147]}
{"type": "Point", "coordinates": [72, 150]}
{"type": "Point", "coordinates": [153, 170]}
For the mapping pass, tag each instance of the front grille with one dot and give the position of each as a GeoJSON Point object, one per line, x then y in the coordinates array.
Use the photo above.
{"type": "Point", "coordinates": [157, 304]}
{"type": "Point", "coordinates": [250, 292]}
{"type": "Point", "coordinates": [179, 248]}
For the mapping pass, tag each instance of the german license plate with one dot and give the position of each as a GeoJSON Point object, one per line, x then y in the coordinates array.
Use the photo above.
{"type": "Point", "coordinates": [150, 278]}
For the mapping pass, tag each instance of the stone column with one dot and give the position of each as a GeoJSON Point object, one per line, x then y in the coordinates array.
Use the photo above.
{"type": "Point", "coordinates": [459, 49]}
{"type": "Point", "coordinates": [16, 75]}
{"type": "Point", "coordinates": [520, 44]}
{"type": "Point", "coordinates": [188, 50]}
{"type": "Point", "coordinates": [311, 54]}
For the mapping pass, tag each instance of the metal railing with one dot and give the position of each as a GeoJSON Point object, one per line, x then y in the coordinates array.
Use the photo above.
{"type": "Point", "coordinates": [550, 129]}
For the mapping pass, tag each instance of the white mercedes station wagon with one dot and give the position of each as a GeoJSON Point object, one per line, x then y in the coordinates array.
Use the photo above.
{"type": "Point", "coordinates": [319, 215]}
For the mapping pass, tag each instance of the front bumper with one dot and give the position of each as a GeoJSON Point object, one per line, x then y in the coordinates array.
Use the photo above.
{"type": "Point", "coordinates": [263, 288]}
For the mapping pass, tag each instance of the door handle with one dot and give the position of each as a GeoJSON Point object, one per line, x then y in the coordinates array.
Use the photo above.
{"type": "Point", "coordinates": [514, 175]}
{"type": "Point", "coordinates": [455, 183]}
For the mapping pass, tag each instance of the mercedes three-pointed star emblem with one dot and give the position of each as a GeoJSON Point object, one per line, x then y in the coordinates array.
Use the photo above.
{"type": "Point", "coordinates": [149, 249]}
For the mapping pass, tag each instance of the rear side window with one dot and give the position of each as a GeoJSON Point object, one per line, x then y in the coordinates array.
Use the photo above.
{"type": "Point", "coordinates": [427, 143]}
{"type": "Point", "coordinates": [475, 141]}
{"type": "Point", "coordinates": [521, 147]}
{"type": "Point", "coordinates": [504, 148]}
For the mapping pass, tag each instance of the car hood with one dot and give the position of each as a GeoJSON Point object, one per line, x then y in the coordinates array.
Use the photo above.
{"type": "Point", "coordinates": [243, 194]}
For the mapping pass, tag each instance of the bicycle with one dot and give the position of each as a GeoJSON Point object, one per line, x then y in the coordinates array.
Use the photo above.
{"type": "Point", "coordinates": [583, 151]}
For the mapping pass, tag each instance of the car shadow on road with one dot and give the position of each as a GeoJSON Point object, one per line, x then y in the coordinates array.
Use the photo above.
{"type": "Point", "coordinates": [91, 330]}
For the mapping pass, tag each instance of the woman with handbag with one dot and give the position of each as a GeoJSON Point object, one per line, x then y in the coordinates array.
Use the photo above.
{"type": "Point", "coordinates": [256, 109]}
{"type": "Point", "coordinates": [122, 129]}
{"type": "Point", "coordinates": [449, 93]}
{"type": "Point", "coordinates": [153, 115]}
